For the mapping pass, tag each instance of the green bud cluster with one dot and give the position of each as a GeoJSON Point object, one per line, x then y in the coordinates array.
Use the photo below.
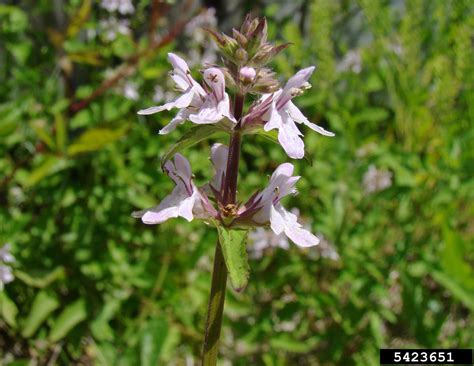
{"type": "Point", "coordinates": [248, 48]}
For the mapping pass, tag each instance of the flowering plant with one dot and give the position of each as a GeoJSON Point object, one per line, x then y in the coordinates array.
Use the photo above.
{"type": "Point", "coordinates": [244, 74]}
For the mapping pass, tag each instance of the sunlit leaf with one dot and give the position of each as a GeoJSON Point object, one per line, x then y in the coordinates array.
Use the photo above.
{"type": "Point", "coordinates": [40, 280]}
{"type": "Point", "coordinates": [233, 243]}
{"type": "Point", "coordinates": [45, 136]}
{"type": "Point", "coordinates": [8, 309]}
{"type": "Point", "coordinates": [79, 18]}
{"type": "Point", "coordinates": [95, 139]}
{"type": "Point", "coordinates": [89, 58]}
{"type": "Point", "coordinates": [61, 131]}
{"type": "Point", "coordinates": [68, 319]}
{"type": "Point", "coordinates": [43, 305]}
{"type": "Point", "coordinates": [51, 165]}
{"type": "Point", "coordinates": [286, 342]}
{"type": "Point", "coordinates": [153, 338]}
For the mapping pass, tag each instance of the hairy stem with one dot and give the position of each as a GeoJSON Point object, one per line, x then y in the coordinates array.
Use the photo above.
{"type": "Point", "coordinates": [219, 273]}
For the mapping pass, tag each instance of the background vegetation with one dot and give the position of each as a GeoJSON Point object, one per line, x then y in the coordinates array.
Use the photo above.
{"type": "Point", "coordinates": [392, 193]}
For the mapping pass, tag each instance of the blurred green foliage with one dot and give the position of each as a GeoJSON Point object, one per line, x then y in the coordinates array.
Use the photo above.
{"type": "Point", "coordinates": [394, 80]}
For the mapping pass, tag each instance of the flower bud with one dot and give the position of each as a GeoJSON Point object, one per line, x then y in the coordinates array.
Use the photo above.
{"type": "Point", "coordinates": [249, 25]}
{"type": "Point", "coordinates": [247, 75]}
{"type": "Point", "coordinates": [265, 82]}
{"type": "Point", "coordinates": [241, 55]}
{"type": "Point", "coordinates": [240, 38]}
{"type": "Point", "coordinates": [248, 45]}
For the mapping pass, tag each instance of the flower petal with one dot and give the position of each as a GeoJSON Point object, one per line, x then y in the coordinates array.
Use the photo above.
{"type": "Point", "coordinates": [183, 168]}
{"type": "Point", "coordinates": [216, 81]}
{"type": "Point", "coordinates": [224, 108]}
{"type": "Point", "coordinates": [207, 114]}
{"type": "Point", "coordinates": [297, 116]}
{"type": "Point", "coordinates": [301, 236]}
{"type": "Point", "coordinates": [186, 206]}
{"type": "Point", "coordinates": [298, 80]}
{"type": "Point", "coordinates": [181, 74]}
{"type": "Point", "coordinates": [285, 169]}
{"type": "Point", "coordinates": [284, 221]}
{"type": "Point", "coordinates": [277, 219]}
{"type": "Point", "coordinates": [274, 119]}
{"type": "Point", "coordinates": [219, 153]}
{"type": "Point", "coordinates": [179, 119]}
{"type": "Point", "coordinates": [168, 208]}
{"type": "Point", "coordinates": [178, 63]}
{"type": "Point", "coordinates": [288, 136]}
{"type": "Point", "coordinates": [182, 101]}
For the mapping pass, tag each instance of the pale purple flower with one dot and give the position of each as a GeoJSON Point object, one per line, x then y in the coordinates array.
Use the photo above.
{"type": "Point", "coordinates": [397, 49]}
{"type": "Point", "coordinates": [352, 61]}
{"type": "Point", "coordinates": [263, 239]}
{"type": "Point", "coordinates": [247, 74]}
{"type": "Point", "coordinates": [6, 273]}
{"type": "Point", "coordinates": [201, 50]}
{"type": "Point", "coordinates": [217, 104]}
{"type": "Point", "coordinates": [195, 103]}
{"type": "Point", "coordinates": [130, 91]}
{"type": "Point", "coordinates": [112, 26]}
{"type": "Point", "coordinates": [5, 255]}
{"type": "Point", "coordinates": [195, 27]}
{"type": "Point", "coordinates": [161, 95]}
{"type": "Point", "coordinates": [265, 207]}
{"type": "Point", "coordinates": [278, 111]}
{"type": "Point", "coordinates": [376, 180]}
{"type": "Point", "coordinates": [186, 200]}
{"type": "Point", "coordinates": [219, 153]}
{"type": "Point", "coordinates": [122, 6]}
{"type": "Point", "coordinates": [190, 100]}
{"type": "Point", "coordinates": [327, 248]}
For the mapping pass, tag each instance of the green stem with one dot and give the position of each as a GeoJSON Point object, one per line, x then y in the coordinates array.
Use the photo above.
{"type": "Point", "coordinates": [219, 273]}
{"type": "Point", "coordinates": [216, 309]}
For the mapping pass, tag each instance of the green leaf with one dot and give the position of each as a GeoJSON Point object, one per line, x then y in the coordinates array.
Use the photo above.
{"type": "Point", "coordinates": [456, 275]}
{"type": "Point", "coordinates": [68, 319]}
{"type": "Point", "coordinates": [8, 309]}
{"type": "Point", "coordinates": [371, 115]}
{"type": "Point", "coordinates": [287, 343]}
{"type": "Point", "coordinates": [100, 327]}
{"type": "Point", "coordinates": [79, 18]}
{"type": "Point", "coordinates": [40, 129]}
{"type": "Point", "coordinates": [153, 338]}
{"type": "Point", "coordinates": [40, 280]}
{"type": "Point", "coordinates": [455, 288]}
{"type": "Point", "coordinates": [95, 139]}
{"type": "Point", "coordinates": [86, 57]}
{"type": "Point", "coordinates": [453, 259]}
{"type": "Point", "coordinates": [376, 326]}
{"type": "Point", "coordinates": [43, 305]}
{"type": "Point", "coordinates": [191, 138]}
{"type": "Point", "coordinates": [7, 127]}
{"type": "Point", "coordinates": [61, 132]}
{"type": "Point", "coordinates": [13, 19]}
{"type": "Point", "coordinates": [50, 165]}
{"type": "Point", "coordinates": [233, 243]}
